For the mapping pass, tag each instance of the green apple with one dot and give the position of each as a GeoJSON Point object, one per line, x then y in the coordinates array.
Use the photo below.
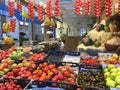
{"type": "Point", "coordinates": [118, 73]}
{"type": "Point", "coordinates": [117, 79]}
{"type": "Point", "coordinates": [2, 72]}
{"type": "Point", "coordinates": [106, 74]}
{"type": "Point", "coordinates": [113, 75]}
{"type": "Point", "coordinates": [105, 70]}
{"type": "Point", "coordinates": [118, 86]}
{"type": "Point", "coordinates": [118, 68]}
{"type": "Point", "coordinates": [110, 83]}
{"type": "Point", "coordinates": [108, 78]}
{"type": "Point", "coordinates": [113, 70]}
{"type": "Point", "coordinates": [110, 66]}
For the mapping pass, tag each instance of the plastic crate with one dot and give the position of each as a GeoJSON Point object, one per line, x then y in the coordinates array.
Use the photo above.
{"type": "Point", "coordinates": [83, 68]}
{"type": "Point", "coordinates": [21, 82]}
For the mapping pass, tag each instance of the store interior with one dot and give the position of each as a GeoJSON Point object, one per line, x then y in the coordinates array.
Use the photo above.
{"type": "Point", "coordinates": [59, 44]}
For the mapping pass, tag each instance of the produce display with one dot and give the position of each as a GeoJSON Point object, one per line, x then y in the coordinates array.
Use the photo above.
{"type": "Point", "coordinates": [10, 85]}
{"type": "Point", "coordinates": [60, 74]}
{"type": "Point", "coordinates": [23, 70]}
{"type": "Point", "coordinates": [44, 71]}
{"type": "Point", "coordinates": [16, 54]}
{"type": "Point", "coordinates": [89, 61]}
{"type": "Point", "coordinates": [6, 65]}
{"type": "Point", "coordinates": [109, 59]}
{"type": "Point", "coordinates": [4, 54]}
{"type": "Point", "coordinates": [65, 74]}
{"type": "Point", "coordinates": [91, 77]}
{"type": "Point", "coordinates": [37, 57]}
{"type": "Point", "coordinates": [112, 76]}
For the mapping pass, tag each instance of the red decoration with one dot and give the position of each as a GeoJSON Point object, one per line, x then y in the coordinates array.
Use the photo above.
{"type": "Point", "coordinates": [57, 7]}
{"type": "Point", "coordinates": [77, 6]}
{"type": "Point", "coordinates": [119, 7]}
{"type": "Point", "coordinates": [40, 12]}
{"type": "Point", "coordinates": [19, 6]}
{"type": "Point", "coordinates": [88, 7]}
{"type": "Point", "coordinates": [30, 9]}
{"type": "Point", "coordinates": [11, 7]}
{"type": "Point", "coordinates": [108, 8]}
{"type": "Point", "coordinates": [13, 24]}
{"type": "Point", "coordinates": [97, 8]}
{"type": "Point", "coordinates": [49, 8]}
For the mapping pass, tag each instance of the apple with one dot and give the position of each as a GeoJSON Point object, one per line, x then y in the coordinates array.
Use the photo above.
{"type": "Point", "coordinates": [14, 65]}
{"type": "Point", "coordinates": [105, 70]}
{"type": "Point", "coordinates": [2, 73]}
{"type": "Point", "coordinates": [106, 74]}
{"type": "Point", "coordinates": [117, 79]}
{"type": "Point", "coordinates": [110, 66]}
{"type": "Point", "coordinates": [118, 86]}
{"type": "Point", "coordinates": [113, 75]}
{"type": "Point", "coordinates": [110, 83]}
{"type": "Point", "coordinates": [6, 70]}
{"type": "Point", "coordinates": [113, 70]}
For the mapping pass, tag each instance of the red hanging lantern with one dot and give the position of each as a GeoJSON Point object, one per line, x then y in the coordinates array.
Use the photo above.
{"type": "Point", "coordinates": [88, 7]}
{"type": "Point", "coordinates": [77, 7]}
{"type": "Point", "coordinates": [30, 9]}
{"type": "Point", "coordinates": [19, 6]}
{"type": "Point", "coordinates": [13, 24]}
{"type": "Point", "coordinates": [57, 7]}
{"type": "Point", "coordinates": [119, 7]}
{"type": "Point", "coordinates": [11, 7]}
{"type": "Point", "coordinates": [108, 8]}
{"type": "Point", "coordinates": [97, 8]}
{"type": "Point", "coordinates": [49, 8]}
{"type": "Point", "coordinates": [40, 12]}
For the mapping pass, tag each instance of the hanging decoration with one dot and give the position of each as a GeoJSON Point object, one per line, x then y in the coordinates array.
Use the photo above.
{"type": "Point", "coordinates": [19, 6]}
{"type": "Point", "coordinates": [77, 6]}
{"type": "Point", "coordinates": [13, 24]}
{"type": "Point", "coordinates": [119, 7]}
{"type": "Point", "coordinates": [11, 7]}
{"type": "Point", "coordinates": [97, 8]}
{"type": "Point", "coordinates": [30, 9]}
{"type": "Point", "coordinates": [49, 8]}
{"type": "Point", "coordinates": [40, 12]}
{"type": "Point", "coordinates": [88, 7]}
{"type": "Point", "coordinates": [57, 7]}
{"type": "Point", "coordinates": [108, 8]}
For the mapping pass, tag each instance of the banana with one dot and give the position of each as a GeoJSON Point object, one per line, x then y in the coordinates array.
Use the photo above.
{"type": "Point", "coordinates": [3, 27]}
{"type": "Point", "coordinates": [24, 14]}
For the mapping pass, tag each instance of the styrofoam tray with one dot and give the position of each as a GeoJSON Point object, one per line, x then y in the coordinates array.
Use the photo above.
{"type": "Point", "coordinates": [68, 58]}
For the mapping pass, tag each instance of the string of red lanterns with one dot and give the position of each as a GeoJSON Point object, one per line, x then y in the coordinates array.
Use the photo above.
{"type": "Point", "coordinates": [13, 24]}
{"type": "Point", "coordinates": [108, 8]}
{"type": "Point", "coordinates": [30, 9]}
{"type": "Point", "coordinates": [11, 7]}
{"type": "Point", "coordinates": [40, 12]}
{"type": "Point", "coordinates": [88, 7]}
{"type": "Point", "coordinates": [77, 6]}
{"type": "Point", "coordinates": [97, 8]}
{"type": "Point", "coordinates": [57, 7]}
{"type": "Point", "coordinates": [49, 8]}
{"type": "Point", "coordinates": [19, 6]}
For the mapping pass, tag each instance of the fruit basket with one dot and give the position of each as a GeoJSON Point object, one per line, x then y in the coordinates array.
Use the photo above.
{"type": "Point", "coordinates": [111, 47]}
{"type": "Point", "coordinates": [91, 77]}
